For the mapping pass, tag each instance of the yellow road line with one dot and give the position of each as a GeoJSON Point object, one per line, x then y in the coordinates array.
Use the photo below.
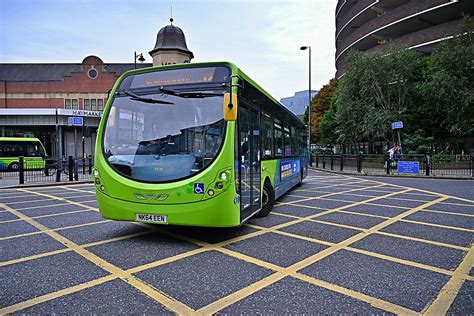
{"type": "Point", "coordinates": [49, 197]}
{"type": "Point", "coordinates": [50, 296]}
{"type": "Point", "coordinates": [378, 303]}
{"type": "Point", "coordinates": [336, 224]}
{"type": "Point", "coordinates": [234, 297]}
{"type": "Point", "coordinates": [449, 291]}
{"type": "Point", "coordinates": [53, 230]}
{"type": "Point", "coordinates": [324, 196]}
{"type": "Point", "coordinates": [96, 243]}
{"type": "Point", "coordinates": [438, 225]}
{"type": "Point", "coordinates": [449, 213]}
{"type": "Point", "coordinates": [163, 299]}
{"type": "Point", "coordinates": [426, 241]}
{"type": "Point", "coordinates": [48, 215]}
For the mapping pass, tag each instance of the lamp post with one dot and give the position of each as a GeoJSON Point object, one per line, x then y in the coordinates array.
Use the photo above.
{"type": "Point", "coordinates": [309, 103]}
{"type": "Point", "coordinates": [140, 58]}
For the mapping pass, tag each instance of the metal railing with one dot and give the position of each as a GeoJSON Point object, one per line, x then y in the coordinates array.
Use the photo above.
{"type": "Point", "coordinates": [439, 165]}
{"type": "Point", "coordinates": [48, 170]}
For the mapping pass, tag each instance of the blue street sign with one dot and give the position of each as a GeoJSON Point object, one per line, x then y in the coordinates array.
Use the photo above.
{"type": "Point", "coordinates": [75, 121]}
{"type": "Point", "coordinates": [397, 125]}
{"type": "Point", "coordinates": [408, 167]}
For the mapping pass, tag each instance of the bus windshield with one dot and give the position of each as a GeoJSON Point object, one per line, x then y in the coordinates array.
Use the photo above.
{"type": "Point", "coordinates": [163, 135]}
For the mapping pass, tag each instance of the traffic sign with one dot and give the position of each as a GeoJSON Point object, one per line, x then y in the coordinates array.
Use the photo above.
{"type": "Point", "coordinates": [75, 121]}
{"type": "Point", "coordinates": [397, 125]}
{"type": "Point", "coordinates": [408, 167]}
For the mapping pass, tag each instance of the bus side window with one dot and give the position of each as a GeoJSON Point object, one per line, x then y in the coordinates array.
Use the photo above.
{"type": "Point", "coordinates": [278, 138]}
{"type": "Point", "coordinates": [267, 133]}
{"type": "Point", "coordinates": [287, 141]}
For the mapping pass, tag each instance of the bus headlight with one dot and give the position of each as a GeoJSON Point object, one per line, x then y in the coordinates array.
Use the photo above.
{"type": "Point", "coordinates": [96, 173]}
{"type": "Point", "coordinates": [224, 176]}
{"type": "Point", "coordinates": [102, 188]}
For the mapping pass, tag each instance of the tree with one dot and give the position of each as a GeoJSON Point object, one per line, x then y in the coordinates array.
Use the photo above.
{"type": "Point", "coordinates": [448, 85]}
{"type": "Point", "coordinates": [328, 125]}
{"type": "Point", "coordinates": [319, 105]}
{"type": "Point", "coordinates": [373, 93]}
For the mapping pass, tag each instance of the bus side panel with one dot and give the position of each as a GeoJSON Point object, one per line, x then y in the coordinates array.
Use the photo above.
{"type": "Point", "coordinates": [283, 173]}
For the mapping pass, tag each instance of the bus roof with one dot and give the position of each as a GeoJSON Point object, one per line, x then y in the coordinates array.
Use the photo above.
{"type": "Point", "coordinates": [19, 139]}
{"type": "Point", "coordinates": [235, 71]}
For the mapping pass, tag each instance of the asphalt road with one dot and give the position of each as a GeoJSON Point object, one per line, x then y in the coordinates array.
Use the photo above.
{"type": "Point", "coordinates": [339, 244]}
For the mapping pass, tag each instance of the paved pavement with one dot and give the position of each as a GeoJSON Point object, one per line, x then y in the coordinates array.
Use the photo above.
{"type": "Point", "coordinates": [338, 244]}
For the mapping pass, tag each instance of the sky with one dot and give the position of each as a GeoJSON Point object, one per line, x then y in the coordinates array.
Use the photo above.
{"type": "Point", "coordinates": [262, 37]}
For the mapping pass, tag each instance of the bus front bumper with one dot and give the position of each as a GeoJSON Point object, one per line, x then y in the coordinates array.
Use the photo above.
{"type": "Point", "coordinates": [219, 211]}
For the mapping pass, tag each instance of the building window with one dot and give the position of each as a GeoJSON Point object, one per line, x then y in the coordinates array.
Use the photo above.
{"type": "Point", "coordinates": [72, 104]}
{"type": "Point", "coordinates": [93, 104]}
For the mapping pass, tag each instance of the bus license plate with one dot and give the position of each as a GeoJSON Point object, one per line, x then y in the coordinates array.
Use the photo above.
{"type": "Point", "coordinates": [151, 218]}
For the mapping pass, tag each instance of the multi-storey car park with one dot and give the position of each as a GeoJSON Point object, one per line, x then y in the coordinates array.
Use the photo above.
{"type": "Point", "coordinates": [376, 25]}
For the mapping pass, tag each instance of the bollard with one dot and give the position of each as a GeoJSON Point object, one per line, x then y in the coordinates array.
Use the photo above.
{"type": "Point", "coordinates": [71, 168]}
{"type": "Point", "coordinates": [317, 160]}
{"type": "Point", "coordinates": [387, 161]}
{"type": "Point", "coordinates": [83, 165]}
{"type": "Point", "coordinates": [76, 169]}
{"type": "Point", "coordinates": [359, 162]}
{"type": "Point", "coordinates": [59, 169]}
{"type": "Point", "coordinates": [472, 166]}
{"type": "Point", "coordinates": [21, 170]}
{"type": "Point", "coordinates": [90, 164]}
{"type": "Point", "coordinates": [342, 162]}
{"type": "Point", "coordinates": [311, 160]}
{"type": "Point", "coordinates": [324, 161]}
{"type": "Point", "coordinates": [332, 161]}
{"type": "Point", "coordinates": [428, 164]}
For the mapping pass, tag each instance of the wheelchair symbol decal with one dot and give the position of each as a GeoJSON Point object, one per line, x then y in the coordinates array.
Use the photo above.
{"type": "Point", "coordinates": [198, 188]}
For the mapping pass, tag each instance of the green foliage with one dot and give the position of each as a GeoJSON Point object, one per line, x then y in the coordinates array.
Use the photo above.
{"type": "Point", "coordinates": [328, 125]}
{"type": "Point", "coordinates": [319, 106]}
{"type": "Point", "coordinates": [374, 93]}
{"type": "Point", "coordinates": [433, 95]}
{"type": "Point", "coordinates": [417, 143]}
{"type": "Point", "coordinates": [448, 86]}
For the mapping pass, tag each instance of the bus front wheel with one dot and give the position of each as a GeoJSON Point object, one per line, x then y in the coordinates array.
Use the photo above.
{"type": "Point", "coordinates": [268, 200]}
{"type": "Point", "coordinates": [14, 166]}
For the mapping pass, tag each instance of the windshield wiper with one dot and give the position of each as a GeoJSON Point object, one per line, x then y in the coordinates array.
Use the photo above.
{"type": "Point", "coordinates": [136, 97]}
{"type": "Point", "coordinates": [192, 94]}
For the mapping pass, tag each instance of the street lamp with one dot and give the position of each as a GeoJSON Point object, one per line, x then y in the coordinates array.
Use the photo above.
{"type": "Point", "coordinates": [309, 103]}
{"type": "Point", "coordinates": [140, 58]}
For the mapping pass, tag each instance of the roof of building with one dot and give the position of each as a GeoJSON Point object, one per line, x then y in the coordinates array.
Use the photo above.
{"type": "Point", "coordinates": [55, 72]}
{"type": "Point", "coordinates": [171, 37]}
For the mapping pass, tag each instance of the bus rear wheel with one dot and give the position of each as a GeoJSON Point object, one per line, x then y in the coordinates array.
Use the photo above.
{"type": "Point", "coordinates": [268, 200]}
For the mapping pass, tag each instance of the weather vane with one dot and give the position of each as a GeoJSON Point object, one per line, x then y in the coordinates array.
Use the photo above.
{"type": "Point", "coordinates": [171, 18]}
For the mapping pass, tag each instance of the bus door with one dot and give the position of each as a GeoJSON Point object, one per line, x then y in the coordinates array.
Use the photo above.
{"type": "Point", "coordinates": [249, 124]}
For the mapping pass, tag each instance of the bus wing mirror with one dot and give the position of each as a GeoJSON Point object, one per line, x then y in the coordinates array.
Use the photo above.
{"type": "Point", "coordinates": [230, 107]}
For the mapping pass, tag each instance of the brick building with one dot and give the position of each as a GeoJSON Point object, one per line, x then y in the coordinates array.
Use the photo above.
{"type": "Point", "coordinates": [37, 99]}
{"type": "Point", "coordinates": [376, 25]}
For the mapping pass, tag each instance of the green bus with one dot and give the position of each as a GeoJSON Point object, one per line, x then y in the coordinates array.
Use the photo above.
{"type": "Point", "coordinates": [195, 145]}
{"type": "Point", "coordinates": [11, 148]}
